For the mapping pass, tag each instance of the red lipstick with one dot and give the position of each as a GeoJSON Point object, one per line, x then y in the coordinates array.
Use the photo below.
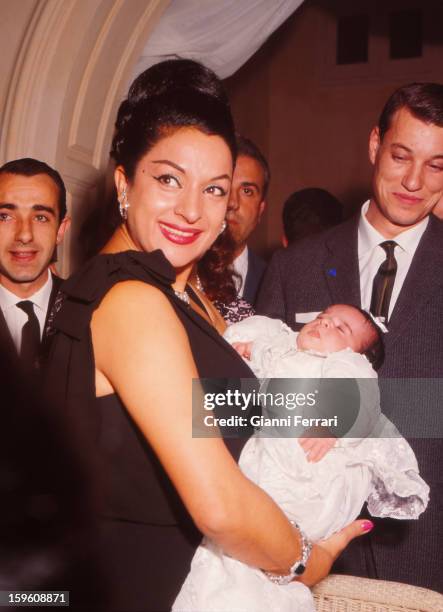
{"type": "Point", "coordinates": [177, 234]}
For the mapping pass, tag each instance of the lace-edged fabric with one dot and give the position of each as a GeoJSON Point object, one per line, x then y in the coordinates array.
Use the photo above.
{"type": "Point", "coordinates": [235, 311]}
{"type": "Point", "coordinates": [398, 490]}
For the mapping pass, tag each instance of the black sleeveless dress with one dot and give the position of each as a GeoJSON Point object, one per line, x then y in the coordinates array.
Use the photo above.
{"type": "Point", "coordinates": [147, 536]}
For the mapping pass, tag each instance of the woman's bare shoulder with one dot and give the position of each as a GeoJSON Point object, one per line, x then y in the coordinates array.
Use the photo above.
{"type": "Point", "coordinates": [134, 295]}
{"type": "Point", "coordinates": [134, 322]}
{"type": "Point", "coordinates": [135, 309]}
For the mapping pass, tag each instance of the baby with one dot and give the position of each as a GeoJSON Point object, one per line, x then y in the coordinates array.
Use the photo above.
{"type": "Point", "coordinates": [320, 483]}
{"type": "Point", "coordinates": [342, 342]}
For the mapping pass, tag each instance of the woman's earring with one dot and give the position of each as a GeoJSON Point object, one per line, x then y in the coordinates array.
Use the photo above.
{"type": "Point", "coordinates": [123, 204]}
{"type": "Point", "coordinates": [223, 227]}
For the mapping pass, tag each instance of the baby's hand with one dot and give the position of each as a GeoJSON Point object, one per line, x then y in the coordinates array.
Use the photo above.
{"type": "Point", "coordinates": [243, 349]}
{"type": "Point", "coordinates": [316, 448]}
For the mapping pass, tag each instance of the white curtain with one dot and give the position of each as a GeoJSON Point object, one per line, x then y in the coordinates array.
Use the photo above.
{"type": "Point", "coordinates": [222, 34]}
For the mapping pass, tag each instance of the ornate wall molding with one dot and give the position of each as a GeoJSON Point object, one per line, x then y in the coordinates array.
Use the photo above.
{"type": "Point", "coordinates": [145, 22]}
{"type": "Point", "coordinates": [26, 90]}
{"type": "Point", "coordinates": [76, 149]}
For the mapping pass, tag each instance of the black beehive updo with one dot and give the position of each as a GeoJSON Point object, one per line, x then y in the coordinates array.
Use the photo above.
{"type": "Point", "coordinates": [168, 96]}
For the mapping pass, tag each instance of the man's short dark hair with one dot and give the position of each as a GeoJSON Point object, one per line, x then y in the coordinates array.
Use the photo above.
{"type": "Point", "coordinates": [423, 100]}
{"type": "Point", "coordinates": [309, 211]}
{"type": "Point", "coordinates": [247, 148]}
{"type": "Point", "coordinates": [31, 167]}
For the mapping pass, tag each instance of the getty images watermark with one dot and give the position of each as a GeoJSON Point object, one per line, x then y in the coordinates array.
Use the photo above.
{"type": "Point", "coordinates": [329, 407]}
{"type": "Point", "coordinates": [246, 401]}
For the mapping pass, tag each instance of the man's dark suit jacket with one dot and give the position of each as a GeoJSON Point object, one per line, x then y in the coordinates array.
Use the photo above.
{"type": "Point", "coordinates": [323, 270]}
{"type": "Point", "coordinates": [5, 337]}
{"type": "Point", "coordinates": [256, 270]}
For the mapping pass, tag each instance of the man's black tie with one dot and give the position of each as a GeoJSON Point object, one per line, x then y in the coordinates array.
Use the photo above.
{"type": "Point", "coordinates": [30, 345]}
{"type": "Point", "coordinates": [384, 282]}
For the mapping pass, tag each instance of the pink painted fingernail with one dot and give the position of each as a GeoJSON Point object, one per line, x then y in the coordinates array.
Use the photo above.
{"type": "Point", "coordinates": [367, 525]}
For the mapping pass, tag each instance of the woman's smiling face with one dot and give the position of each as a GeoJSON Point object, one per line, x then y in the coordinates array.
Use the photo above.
{"type": "Point", "coordinates": [179, 194]}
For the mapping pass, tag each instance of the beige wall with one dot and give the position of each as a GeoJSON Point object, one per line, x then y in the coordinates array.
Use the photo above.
{"type": "Point", "coordinates": [313, 118]}
{"type": "Point", "coordinates": [65, 66]}
{"type": "Point", "coordinates": [15, 17]}
{"type": "Point", "coordinates": [249, 93]}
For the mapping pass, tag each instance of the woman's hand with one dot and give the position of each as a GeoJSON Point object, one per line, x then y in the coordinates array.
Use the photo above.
{"type": "Point", "coordinates": [325, 552]}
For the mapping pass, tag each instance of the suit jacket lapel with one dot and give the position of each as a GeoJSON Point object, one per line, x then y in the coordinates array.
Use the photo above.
{"type": "Point", "coordinates": [46, 340]}
{"type": "Point", "coordinates": [250, 278]}
{"type": "Point", "coordinates": [6, 341]}
{"type": "Point", "coordinates": [424, 278]}
{"type": "Point", "coordinates": [340, 268]}
{"type": "Point", "coordinates": [56, 284]}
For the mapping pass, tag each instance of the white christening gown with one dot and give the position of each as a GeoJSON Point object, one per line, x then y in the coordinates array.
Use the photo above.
{"type": "Point", "coordinates": [321, 497]}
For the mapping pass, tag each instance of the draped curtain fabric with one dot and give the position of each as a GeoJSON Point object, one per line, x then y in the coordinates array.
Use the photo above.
{"type": "Point", "coordinates": [222, 34]}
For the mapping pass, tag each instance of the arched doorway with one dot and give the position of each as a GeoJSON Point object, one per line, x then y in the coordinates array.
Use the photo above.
{"type": "Point", "coordinates": [70, 72]}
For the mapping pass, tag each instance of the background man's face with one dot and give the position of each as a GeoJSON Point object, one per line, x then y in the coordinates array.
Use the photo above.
{"type": "Point", "coordinates": [29, 230]}
{"type": "Point", "coordinates": [246, 203]}
{"type": "Point", "coordinates": [408, 173]}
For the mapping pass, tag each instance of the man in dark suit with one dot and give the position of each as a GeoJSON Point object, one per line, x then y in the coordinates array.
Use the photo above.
{"type": "Point", "coordinates": [248, 201]}
{"type": "Point", "coordinates": [33, 222]}
{"type": "Point", "coordinates": [395, 241]}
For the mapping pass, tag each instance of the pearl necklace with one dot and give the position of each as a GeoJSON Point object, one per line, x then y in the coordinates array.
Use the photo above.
{"type": "Point", "coordinates": [184, 295]}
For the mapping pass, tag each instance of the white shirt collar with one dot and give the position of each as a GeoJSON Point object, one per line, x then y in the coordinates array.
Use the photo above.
{"type": "Point", "coordinates": [40, 298]}
{"type": "Point", "coordinates": [243, 257]}
{"type": "Point", "coordinates": [240, 266]}
{"type": "Point", "coordinates": [369, 237]}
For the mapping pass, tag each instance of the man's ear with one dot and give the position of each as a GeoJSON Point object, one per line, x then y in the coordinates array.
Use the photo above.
{"type": "Point", "coordinates": [63, 228]}
{"type": "Point", "coordinates": [120, 180]}
{"type": "Point", "coordinates": [374, 144]}
{"type": "Point", "coordinates": [261, 209]}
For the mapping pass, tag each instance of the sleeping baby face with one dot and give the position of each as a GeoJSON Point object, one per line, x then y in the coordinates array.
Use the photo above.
{"type": "Point", "coordinates": [338, 327]}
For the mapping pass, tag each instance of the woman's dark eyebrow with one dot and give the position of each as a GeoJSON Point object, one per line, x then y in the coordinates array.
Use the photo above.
{"type": "Point", "coordinates": [180, 169]}
{"type": "Point", "coordinates": [169, 163]}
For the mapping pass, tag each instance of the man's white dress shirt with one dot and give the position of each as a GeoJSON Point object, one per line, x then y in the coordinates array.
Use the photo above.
{"type": "Point", "coordinates": [240, 265]}
{"type": "Point", "coordinates": [16, 318]}
{"type": "Point", "coordinates": [371, 256]}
